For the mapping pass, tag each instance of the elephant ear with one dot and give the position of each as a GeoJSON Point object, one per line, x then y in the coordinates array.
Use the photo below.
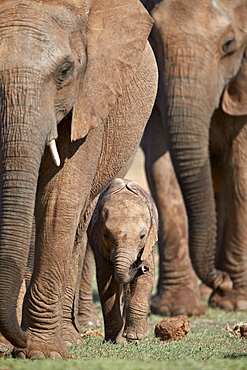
{"type": "Point", "coordinates": [234, 101]}
{"type": "Point", "coordinates": [93, 231]}
{"type": "Point", "coordinates": [117, 33]}
{"type": "Point", "coordinates": [153, 231]}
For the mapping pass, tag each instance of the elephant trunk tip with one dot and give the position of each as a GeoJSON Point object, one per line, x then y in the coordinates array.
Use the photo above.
{"type": "Point", "coordinates": [144, 269]}
{"type": "Point", "coordinates": [11, 330]}
{"type": "Point", "coordinates": [222, 284]}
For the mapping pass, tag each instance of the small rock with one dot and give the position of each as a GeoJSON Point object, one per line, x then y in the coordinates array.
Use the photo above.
{"type": "Point", "coordinates": [172, 329]}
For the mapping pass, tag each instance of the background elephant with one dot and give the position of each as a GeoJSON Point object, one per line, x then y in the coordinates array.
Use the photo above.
{"type": "Point", "coordinates": [200, 115]}
{"type": "Point", "coordinates": [122, 233]}
{"type": "Point", "coordinates": [81, 73]}
{"type": "Point", "coordinates": [87, 314]}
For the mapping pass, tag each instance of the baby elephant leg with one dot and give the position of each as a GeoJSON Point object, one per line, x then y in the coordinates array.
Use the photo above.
{"type": "Point", "coordinates": [136, 305]}
{"type": "Point", "coordinates": [110, 292]}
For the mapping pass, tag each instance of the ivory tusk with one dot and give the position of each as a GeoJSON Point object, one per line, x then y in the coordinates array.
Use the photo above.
{"type": "Point", "coordinates": [54, 152]}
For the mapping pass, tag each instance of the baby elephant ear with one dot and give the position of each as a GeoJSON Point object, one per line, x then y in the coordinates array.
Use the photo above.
{"type": "Point", "coordinates": [234, 101]}
{"type": "Point", "coordinates": [117, 33]}
{"type": "Point", "coordinates": [153, 232]}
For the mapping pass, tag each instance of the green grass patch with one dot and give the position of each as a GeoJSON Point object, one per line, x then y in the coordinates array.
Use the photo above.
{"type": "Point", "coordinates": [208, 345]}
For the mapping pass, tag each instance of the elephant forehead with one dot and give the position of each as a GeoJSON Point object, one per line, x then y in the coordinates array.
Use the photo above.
{"type": "Point", "coordinates": [122, 211]}
{"type": "Point", "coordinates": [26, 28]}
{"type": "Point", "coordinates": [191, 17]}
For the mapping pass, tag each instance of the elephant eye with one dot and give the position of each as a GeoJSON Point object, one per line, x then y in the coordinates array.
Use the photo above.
{"type": "Point", "coordinates": [106, 235]}
{"type": "Point", "coordinates": [229, 47]}
{"type": "Point", "coordinates": [142, 235]}
{"type": "Point", "coordinates": [64, 71]}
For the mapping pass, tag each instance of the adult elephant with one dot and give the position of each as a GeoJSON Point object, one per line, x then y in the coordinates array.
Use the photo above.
{"type": "Point", "coordinates": [81, 73]}
{"type": "Point", "coordinates": [200, 115]}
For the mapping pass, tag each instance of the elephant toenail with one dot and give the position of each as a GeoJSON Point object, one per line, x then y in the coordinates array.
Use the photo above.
{"type": "Point", "coordinates": [88, 324]}
{"type": "Point", "coordinates": [20, 355]}
{"type": "Point", "coordinates": [195, 313]}
{"type": "Point", "coordinates": [3, 348]}
{"type": "Point", "coordinates": [179, 311]}
{"type": "Point", "coordinates": [37, 355]}
{"type": "Point", "coordinates": [141, 336]}
{"type": "Point", "coordinates": [241, 305]}
{"type": "Point", "coordinates": [130, 336]}
{"type": "Point", "coordinates": [227, 305]}
{"type": "Point", "coordinates": [55, 356]}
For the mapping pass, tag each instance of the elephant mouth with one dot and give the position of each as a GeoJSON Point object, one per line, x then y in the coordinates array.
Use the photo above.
{"type": "Point", "coordinates": [138, 269]}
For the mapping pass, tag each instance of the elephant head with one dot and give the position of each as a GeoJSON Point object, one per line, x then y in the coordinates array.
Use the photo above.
{"type": "Point", "coordinates": [200, 48]}
{"type": "Point", "coordinates": [124, 228]}
{"type": "Point", "coordinates": [59, 58]}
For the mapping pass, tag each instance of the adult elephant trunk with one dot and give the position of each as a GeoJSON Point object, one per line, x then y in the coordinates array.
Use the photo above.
{"type": "Point", "coordinates": [22, 144]}
{"type": "Point", "coordinates": [124, 271]}
{"type": "Point", "coordinates": [188, 114]}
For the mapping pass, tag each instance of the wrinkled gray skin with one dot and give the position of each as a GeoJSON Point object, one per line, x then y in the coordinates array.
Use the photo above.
{"type": "Point", "coordinates": [83, 73]}
{"type": "Point", "coordinates": [122, 234]}
{"type": "Point", "coordinates": [200, 112]}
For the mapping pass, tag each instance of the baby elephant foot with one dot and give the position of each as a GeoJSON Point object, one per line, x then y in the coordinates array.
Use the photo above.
{"type": "Point", "coordinates": [175, 302]}
{"type": "Point", "coordinates": [138, 332]}
{"type": "Point", "coordinates": [236, 300]}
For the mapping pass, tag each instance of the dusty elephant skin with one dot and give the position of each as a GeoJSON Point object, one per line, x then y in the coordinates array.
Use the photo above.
{"type": "Point", "coordinates": [122, 234]}
{"type": "Point", "coordinates": [80, 72]}
{"type": "Point", "coordinates": [201, 108]}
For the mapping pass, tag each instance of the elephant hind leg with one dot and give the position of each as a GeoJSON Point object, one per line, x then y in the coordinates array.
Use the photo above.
{"type": "Point", "coordinates": [177, 289]}
{"type": "Point", "coordinates": [87, 315]}
{"type": "Point", "coordinates": [231, 203]}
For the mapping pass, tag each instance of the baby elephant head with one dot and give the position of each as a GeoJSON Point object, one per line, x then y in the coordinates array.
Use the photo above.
{"type": "Point", "coordinates": [124, 228]}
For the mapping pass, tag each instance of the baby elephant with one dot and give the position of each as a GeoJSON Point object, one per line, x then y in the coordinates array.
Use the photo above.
{"type": "Point", "coordinates": [122, 233]}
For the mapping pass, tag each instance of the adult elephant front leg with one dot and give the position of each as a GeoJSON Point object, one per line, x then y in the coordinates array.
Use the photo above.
{"type": "Point", "coordinates": [177, 288]}
{"type": "Point", "coordinates": [64, 194]}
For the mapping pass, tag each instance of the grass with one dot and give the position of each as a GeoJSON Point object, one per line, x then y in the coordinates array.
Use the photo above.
{"type": "Point", "coordinates": [207, 346]}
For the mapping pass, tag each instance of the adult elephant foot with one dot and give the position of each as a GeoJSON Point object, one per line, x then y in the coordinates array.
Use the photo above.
{"type": "Point", "coordinates": [205, 291]}
{"type": "Point", "coordinates": [180, 299]}
{"type": "Point", "coordinates": [36, 350]}
{"type": "Point", "coordinates": [134, 333]}
{"type": "Point", "coordinates": [71, 335]}
{"type": "Point", "coordinates": [89, 317]}
{"type": "Point", "coordinates": [235, 300]}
